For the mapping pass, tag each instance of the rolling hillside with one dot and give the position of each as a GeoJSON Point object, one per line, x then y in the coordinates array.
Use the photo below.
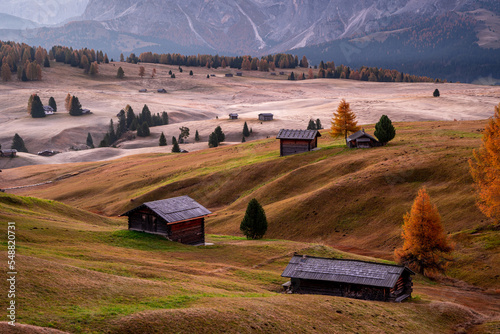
{"type": "Point", "coordinates": [80, 273]}
{"type": "Point", "coordinates": [351, 199]}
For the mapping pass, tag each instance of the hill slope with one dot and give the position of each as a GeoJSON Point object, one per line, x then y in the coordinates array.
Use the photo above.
{"type": "Point", "coordinates": [353, 199]}
{"type": "Point", "coordinates": [83, 273]}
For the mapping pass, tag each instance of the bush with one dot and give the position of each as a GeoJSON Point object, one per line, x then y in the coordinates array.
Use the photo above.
{"type": "Point", "coordinates": [254, 224]}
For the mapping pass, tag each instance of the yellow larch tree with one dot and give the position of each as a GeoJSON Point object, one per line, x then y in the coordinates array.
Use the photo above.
{"type": "Point", "coordinates": [426, 248]}
{"type": "Point", "coordinates": [485, 169]}
{"type": "Point", "coordinates": [343, 121]}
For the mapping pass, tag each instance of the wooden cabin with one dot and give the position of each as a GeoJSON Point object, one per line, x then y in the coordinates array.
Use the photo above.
{"type": "Point", "coordinates": [162, 90]}
{"type": "Point", "coordinates": [348, 278]}
{"type": "Point", "coordinates": [297, 141]}
{"type": "Point", "coordinates": [266, 117]}
{"type": "Point", "coordinates": [48, 110]}
{"type": "Point", "coordinates": [233, 116]}
{"type": "Point", "coordinates": [229, 75]}
{"type": "Point", "coordinates": [179, 219]}
{"type": "Point", "coordinates": [361, 139]}
{"type": "Point", "coordinates": [239, 74]}
{"type": "Point", "coordinates": [8, 153]}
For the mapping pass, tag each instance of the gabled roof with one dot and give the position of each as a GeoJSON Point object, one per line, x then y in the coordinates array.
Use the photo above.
{"type": "Point", "coordinates": [48, 108]}
{"type": "Point", "coordinates": [359, 134]}
{"type": "Point", "coordinates": [266, 114]}
{"type": "Point", "coordinates": [174, 209]}
{"type": "Point", "coordinates": [344, 271]}
{"type": "Point", "coordinates": [233, 114]}
{"type": "Point", "coordinates": [298, 134]}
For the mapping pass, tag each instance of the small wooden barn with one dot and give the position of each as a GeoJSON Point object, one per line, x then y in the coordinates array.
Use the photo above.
{"type": "Point", "coordinates": [239, 74]}
{"type": "Point", "coordinates": [48, 110]}
{"type": "Point", "coordinates": [297, 141]}
{"type": "Point", "coordinates": [162, 90]}
{"type": "Point", "coordinates": [266, 117]}
{"type": "Point", "coordinates": [229, 75]}
{"type": "Point", "coordinates": [8, 153]}
{"type": "Point", "coordinates": [348, 278]}
{"type": "Point", "coordinates": [361, 139]}
{"type": "Point", "coordinates": [233, 116]}
{"type": "Point", "coordinates": [179, 219]}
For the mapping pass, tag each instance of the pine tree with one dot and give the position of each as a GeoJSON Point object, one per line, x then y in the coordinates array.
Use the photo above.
{"type": "Point", "coordinates": [111, 133]}
{"type": "Point", "coordinates": [164, 117]}
{"type": "Point", "coordinates": [212, 140]}
{"type": "Point", "coordinates": [220, 135]}
{"type": "Point", "coordinates": [120, 73]}
{"type": "Point", "coordinates": [172, 76]}
{"type": "Point", "coordinates": [142, 71]}
{"type": "Point", "coordinates": [191, 72]}
{"type": "Point", "coordinates": [46, 62]}
{"type": "Point", "coordinates": [67, 102]}
{"type": "Point", "coordinates": [121, 57]}
{"type": "Point", "coordinates": [425, 245]}
{"type": "Point", "coordinates": [94, 68]}
{"type": "Point", "coordinates": [292, 76]}
{"type": "Point", "coordinates": [76, 107]}
{"type": "Point", "coordinates": [105, 141]}
{"type": "Point", "coordinates": [106, 59]}
{"type": "Point", "coordinates": [246, 132]}
{"type": "Point", "coordinates": [175, 146]}
{"type": "Point", "coordinates": [319, 126]}
{"type": "Point", "coordinates": [52, 103]}
{"type": "Point", "coordinates": [163, 140]}
{"type": "Point", "coordinates": [18, 144]}
{"type": "Point", "coordinates": [146, 115]}
{"type": "Point", "coordinates": [130, 116]}
{"type": "Point", "coordinates": [37, 107]}
{"type": "Point", "coordinates": [90, 142]}
{"type": "Point", "coordinates": [311, 125]}
{"type": "Point", "coordinates": [134, 125]}
{"type": "Point", "coordinates": [122, 124]}
{"type": "Point", "coordinates": [30, 102]}
{"type": "Point", "coordinates": [485, 169]}
{"type": "Point", "coordinates": [243, 139]}
{"type": "Point", "coordinates": [254, 224]}
{"type": "Point", "coordinates": [343, 121]}
{"type": "Point", "coordinates": [384, 130]}
{"type": "Point", "coordinates": [196, 136]}
{"type": "Point", "coordinates": [436, 93]}
{"type": "Point", "coordinates": [208, 76]}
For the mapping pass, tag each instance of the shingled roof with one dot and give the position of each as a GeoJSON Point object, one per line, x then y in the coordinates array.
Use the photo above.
{"type": "Point", "coordinates": [298, 134]}
{"type": "Point", "coordinates": [344, 271]}
{"type": "Point", "coordinates": [174, 209]}
{"type": "Point", "coordinates": [359, 134]}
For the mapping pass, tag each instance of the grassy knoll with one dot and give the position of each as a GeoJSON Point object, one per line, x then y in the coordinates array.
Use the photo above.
{"type": "Point", "coordinates": [84, 273]}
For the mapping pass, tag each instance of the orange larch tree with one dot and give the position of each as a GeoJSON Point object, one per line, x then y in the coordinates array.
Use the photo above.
{"type": "Point", "coordinates": [343, 121]}
{"type": "Point", "coordinates": [485, 169]}
{"type": "Point", "coordinates": [426, 247]}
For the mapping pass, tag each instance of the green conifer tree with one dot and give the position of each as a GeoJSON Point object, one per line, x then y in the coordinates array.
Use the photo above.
{"type": "Point", "coordinates": [46, 62]}
{"type": "Point", "coordinates": [384, 130]}
{"type": "Point", "coordinates": [163, 140]}
{"type": "Point", "coordinates": [319, 126]}
{"type": "Point", "coordinates": [37, 107]}
{"type": "Point", "coordinates": [90, 142]}
{"type": "Point", "coordinates": [120, 73]}
{"type": "Point", "coordinates": [246, 132]}
{"type": "Point", "coordinates": [130, 115]}
{"type": "Point", "coordinates": [146, 115]}
{"type": "Point", "coordinates": [220, 135]}
{"type": "Point", "coordinates": [52, 103]}
{"type": "Point", "coordinates": [122, 124]}
{"type": "Point", "coordinates": [436, 93]}
{"type": "Point", "coordinates": [311, 125]}
{"type": "Point", "coordinates": [76, 107]}
{"type": "Point", "coordinates": [175, 146]}
{"type": "Point", "coordinates": [212, 140]}
{"type": "Point", "coordinates": [111, 133]}
{"type": "Point", "coordinates": [254, 224]}
{"type": "Point", "coordinates": [164, 117]}
{"type": "Point", "coordinates": [196, 136]}
{"type": "Point", "coordinates": [18, 144]}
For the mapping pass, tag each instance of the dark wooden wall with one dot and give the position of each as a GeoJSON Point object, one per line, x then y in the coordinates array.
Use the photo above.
{"type": "Point", "coordinates": [291, 146]}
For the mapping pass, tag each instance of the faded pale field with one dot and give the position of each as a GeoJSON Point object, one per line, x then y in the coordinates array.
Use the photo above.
{"type": "Point", "coordinates": [195, 102]}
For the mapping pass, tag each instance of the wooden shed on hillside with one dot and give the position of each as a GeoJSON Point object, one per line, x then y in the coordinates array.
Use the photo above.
{"type": "Point", "coordinates": [348, 278]}
{"type": "Point", "coordinates": [361, 139]}
{"type": "Point", "coordinates": [8, 153]}
{"type": "Point", "coordinates": [233, 116]}
{"type": "Point", "coordinates": [297, 141]}
{"type": "Point", "coordinates": [179, 219]}
{"type": "Point", "coordinates": [229, 75]}
{"type": "Point", "coordinates": [266, 117]}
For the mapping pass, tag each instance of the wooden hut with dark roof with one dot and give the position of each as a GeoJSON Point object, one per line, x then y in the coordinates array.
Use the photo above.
{"type": "Point", "coordinates": [348, 278]}
{"type": "Point", "coordinates": [266, 117]}
{"type": "Point", "coordinates": [361, 139]}
{"type": "Point", "coordinates": [179, 219]}
{"type": "Point", "coordinates": [297, 141]}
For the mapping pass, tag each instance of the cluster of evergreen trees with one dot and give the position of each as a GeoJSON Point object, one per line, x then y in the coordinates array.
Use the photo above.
{"type": "Point", "coordinates": [129, 121]}
{"type": "Point", "coordinates": [86, 59]}
{"type": "Point", "coordinates": [314, 125]}
{"type": "Point", "coordinates": [35, 106]}
{"type": "Point", "coordinates": [22, 59]}
{"type": "Point", "coordinates": [279, 60]}
{"type": "Point", "coordinates": [216, 137]}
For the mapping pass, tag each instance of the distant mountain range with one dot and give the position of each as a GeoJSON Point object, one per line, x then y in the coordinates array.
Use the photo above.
{"type": "Point", "coordinates": [257, 27]}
